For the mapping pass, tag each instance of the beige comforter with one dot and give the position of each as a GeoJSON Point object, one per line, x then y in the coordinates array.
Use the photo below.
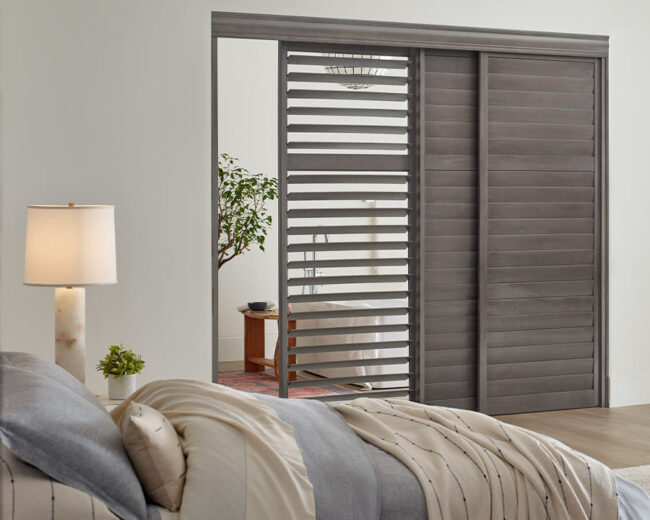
{"type": "Point", "coordinates": [243, 462]}
{"type": "Point", "coordinates": [474, 467]}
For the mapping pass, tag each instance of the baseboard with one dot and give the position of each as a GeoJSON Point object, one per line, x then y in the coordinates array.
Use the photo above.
{"type": "Point", "coordinates": [626, 390]}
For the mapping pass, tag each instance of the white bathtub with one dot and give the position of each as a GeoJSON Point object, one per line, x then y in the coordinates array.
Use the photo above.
{"type": "Point", "coordinates": [354, 338]}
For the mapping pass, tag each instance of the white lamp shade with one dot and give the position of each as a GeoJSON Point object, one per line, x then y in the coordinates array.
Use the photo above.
{"type": "Point", "coordinates": [70, 245]}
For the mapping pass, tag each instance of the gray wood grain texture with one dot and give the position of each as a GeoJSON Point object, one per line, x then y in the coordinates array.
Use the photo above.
{"type": "Point", "coordinates": [558, 179]}
{"type": "Point", "coordinates": [450, 228]}
{"type": "Point", "coordinates": [347, 246]}
{"type": "Point", "coordinates": [540, 242]}
{"type": "Point", "coordinates": [347, 212]}
{"type": "Point", "coordinates": [538, 402]}
{"type": "Point", "coordinates": [283, 273]}
{"type": "Point", "coordinates": [339, 145]}
{"type": "Point", "coordinates": [347, 230]}
{"type": "Point", "coordinates": [346, 162]}
{"type": "Point", "coordinates": [315, 315]}
{"type": "Point", "coordinates": [417, 72]}
{"type": "Point", "coordinates": [297, 93]}
{"type": "Point", "coordinates": [349, 262]}
{"type": "Point", "coordinates": [347, 112]}
{"type": "Point", "coordinates": [541, 273]}
{"type": "Point", "coordinates": [348, 195]}
{"type": "Point", "coordinates": [529, 353]}
{"type": "Point", "coordinates": [508, 114]}
{"type": "Point", "coordinates": [542, 269]}
{"type": "Point", "coordinates": [524, 226]}
{"type": "Point", "coordinates": [341, 178]}
{"type": "Point", "coordinates": [548, 304]}
{"type": "Point", "coordinates": [340, 61]}
{"type": "Point", "coordinates": [540, 385]}
{"type": "Point", "coordinates": [526, 83]}
{"type": "Point", "coordinates": [459, 356]}
{"type": "Point", "coordinates": [311, 77]}
{"type": "Point", "coordinates": [556, 131]}
{"type": "Point", "coordinates": [214, 209]}
{"type": "Point", "coordinates": [528, 370]}
{"type": "Point", "coordinates": [347, 279]}
{"type": "Point", "coordinates": [347, 129]}
{"type": "Point", "coordinates": [332, 31]}
{"type": "Point", "coordinates": [450, 243]}
{"type": "Point", "coordinates": [348, 296]}
{"type": "Point", "coordinates": [483, 232]}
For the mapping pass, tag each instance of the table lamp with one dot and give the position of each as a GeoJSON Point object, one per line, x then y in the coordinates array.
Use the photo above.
{"type": "Point", "coordinates": [70, 247]}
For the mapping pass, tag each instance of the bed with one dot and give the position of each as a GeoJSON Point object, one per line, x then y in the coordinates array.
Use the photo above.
{"type": "Point", "coordinates": [249, 457]}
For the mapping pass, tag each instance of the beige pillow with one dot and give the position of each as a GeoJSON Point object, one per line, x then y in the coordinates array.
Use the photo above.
{"type": "Point", "coordinates": [155, 451]}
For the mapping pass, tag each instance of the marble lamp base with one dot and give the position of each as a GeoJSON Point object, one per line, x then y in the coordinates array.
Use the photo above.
{"type": "Point", "coordinates": [70, 330]}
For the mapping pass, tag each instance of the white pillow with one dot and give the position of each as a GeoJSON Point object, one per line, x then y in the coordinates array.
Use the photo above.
{"type": "Point", "coordinates": [156, 453]}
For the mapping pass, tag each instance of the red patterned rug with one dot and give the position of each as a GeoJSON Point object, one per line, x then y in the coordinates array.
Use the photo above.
{"type": "Point", "coordinates": [266, 383]}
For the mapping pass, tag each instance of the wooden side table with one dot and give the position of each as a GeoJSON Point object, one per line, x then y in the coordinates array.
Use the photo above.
{"type": "Point", "coordinates": [254, 360]}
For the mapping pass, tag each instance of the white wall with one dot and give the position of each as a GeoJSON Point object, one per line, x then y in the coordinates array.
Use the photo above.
{"type": "Point", "coordinates": [248, 130]}
{"type": "Point", "coordinates": [110, 102]}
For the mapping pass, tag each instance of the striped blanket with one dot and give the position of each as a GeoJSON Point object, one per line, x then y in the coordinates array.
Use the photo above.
{"type": "Point", "coordinates": [474, 467]}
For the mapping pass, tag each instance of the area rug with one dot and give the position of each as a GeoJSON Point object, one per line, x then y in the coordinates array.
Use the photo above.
{"type": "Point", "coordinates": [640, 475]}
{"type": "Point", "coordinates": [266, 383]}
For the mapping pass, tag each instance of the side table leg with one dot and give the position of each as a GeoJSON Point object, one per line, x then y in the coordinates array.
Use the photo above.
{"type": "Point", "coordinates": [253, 343]}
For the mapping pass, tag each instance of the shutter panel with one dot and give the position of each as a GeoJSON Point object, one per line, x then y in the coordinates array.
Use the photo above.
{"type": "Point", "coordinates": [348, 205]}
{"type": "Point", "coordinates": [539, 246]}
{"type": "Point", "coordinates": [450, 229]}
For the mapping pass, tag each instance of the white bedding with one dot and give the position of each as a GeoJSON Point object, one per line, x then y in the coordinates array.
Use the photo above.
{"type": "Point", "coordinates": [353, 338]}
{"type": "Point", "coordinates": [242, 461]}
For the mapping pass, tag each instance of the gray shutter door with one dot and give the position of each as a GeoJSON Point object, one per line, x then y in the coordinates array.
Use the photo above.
{"type": "Point", "coordinates": [539, 297]}
{"type": "Point", "coordinates": [450, 241]}
{"type": "Point", "coordinates": [348, 204]}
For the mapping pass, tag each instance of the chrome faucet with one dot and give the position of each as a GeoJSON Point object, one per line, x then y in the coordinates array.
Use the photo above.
{"type": "Point", "coordinates": [312, 272]}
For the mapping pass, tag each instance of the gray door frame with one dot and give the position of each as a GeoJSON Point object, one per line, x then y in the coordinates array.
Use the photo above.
{"type": "Point", "coordinates": [420, 36]}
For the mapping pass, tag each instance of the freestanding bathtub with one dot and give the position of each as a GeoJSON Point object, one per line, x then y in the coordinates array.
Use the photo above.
{"type": "Point", "coordinates": [354, 338]}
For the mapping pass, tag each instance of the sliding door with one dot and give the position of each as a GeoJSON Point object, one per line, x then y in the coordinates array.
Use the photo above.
{"type": "Point", "coordinates": [539, 236]}
{"type": "Point", "coordinates": [349, 200]}
{"type": "Point", "coordinates": [440, 225]}
{"type": "Point", "coordinates": [450, 245]}
{"type": "Point", "coordinates": [512, 232]}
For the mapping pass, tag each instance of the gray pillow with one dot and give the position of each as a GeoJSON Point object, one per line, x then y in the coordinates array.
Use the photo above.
{"type": "Point", "coordinates": [52, 421]}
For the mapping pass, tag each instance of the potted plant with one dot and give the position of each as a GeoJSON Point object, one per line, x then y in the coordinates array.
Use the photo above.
{"type": "Point", "coordinates": [244, 219]}
{"type": "Point", "coordinates": [120, 367]}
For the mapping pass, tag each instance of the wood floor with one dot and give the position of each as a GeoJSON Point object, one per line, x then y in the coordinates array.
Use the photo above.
{"type": "Point", "coordinates": [618, 437]}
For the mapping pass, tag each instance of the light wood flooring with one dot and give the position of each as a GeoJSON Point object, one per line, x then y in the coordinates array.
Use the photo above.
{"type": "Point", "coordinates": [618, 437]}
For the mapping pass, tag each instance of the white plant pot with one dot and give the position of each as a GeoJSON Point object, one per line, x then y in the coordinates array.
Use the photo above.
{"type": "Point", "coordinates": [121, 388]}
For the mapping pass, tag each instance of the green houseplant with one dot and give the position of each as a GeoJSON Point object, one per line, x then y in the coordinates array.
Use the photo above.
{"type": "Point", "coordinates": [120, 366]}
{"type": "Point", "coordinates": [244, 219]}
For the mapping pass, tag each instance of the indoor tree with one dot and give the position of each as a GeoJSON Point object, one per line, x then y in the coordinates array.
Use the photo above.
{"type": "Point", "coordinates": [244, 219]}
